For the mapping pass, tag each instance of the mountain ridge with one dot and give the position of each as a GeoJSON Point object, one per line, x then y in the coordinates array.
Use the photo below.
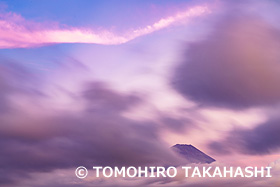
{"type": "Point", "coordinates": [192, 154]}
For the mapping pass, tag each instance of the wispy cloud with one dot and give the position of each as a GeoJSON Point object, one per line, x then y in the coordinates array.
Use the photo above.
{"type": "Point", "coordinates": [17, 32]}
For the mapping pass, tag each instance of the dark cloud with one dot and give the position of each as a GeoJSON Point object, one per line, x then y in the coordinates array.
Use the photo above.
{"type": "Point", "coordinates": [236, 66]}
{"type": "Point", "coordinates": [177, 125]}
{"type": "Point", "coordinates": [263, 139]}
{"type": "Point", "coordinates": [99, 95]}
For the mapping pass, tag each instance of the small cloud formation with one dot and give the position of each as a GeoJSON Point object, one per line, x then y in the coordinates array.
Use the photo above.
{"type": "Point", "coordinates": [177, 125]}
{"type": "Point", "coordinates": [236, 66]}
{"type": "Point", "coordinates": [17, 32]}
{"type": "Point", "coordinates": [98, 96]}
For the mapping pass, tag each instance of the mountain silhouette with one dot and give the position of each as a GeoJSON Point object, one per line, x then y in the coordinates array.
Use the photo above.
{"type": "Point", "coordinates": [192, 154]}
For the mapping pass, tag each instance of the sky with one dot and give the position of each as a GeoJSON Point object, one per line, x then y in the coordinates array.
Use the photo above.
{"type": "Point", "coordinates": [117, 83]}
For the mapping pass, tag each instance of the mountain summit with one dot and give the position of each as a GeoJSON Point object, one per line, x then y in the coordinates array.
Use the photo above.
{"type": "Point", "coordinates": [192, 154]}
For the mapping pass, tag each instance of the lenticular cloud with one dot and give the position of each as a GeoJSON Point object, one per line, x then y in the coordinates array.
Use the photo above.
{"type": "Point", "coordinates": [16, 32]}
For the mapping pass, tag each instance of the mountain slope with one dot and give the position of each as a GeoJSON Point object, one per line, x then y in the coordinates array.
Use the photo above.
{"type": "Point", "coordinates": [192, 154]}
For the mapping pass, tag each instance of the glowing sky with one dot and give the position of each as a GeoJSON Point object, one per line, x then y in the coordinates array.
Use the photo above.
{"type": "Point", "coordinates": [119, 82]}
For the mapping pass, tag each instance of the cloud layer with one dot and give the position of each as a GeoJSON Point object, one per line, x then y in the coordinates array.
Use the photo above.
{"type": "Point", "coordinates": [98, 134]}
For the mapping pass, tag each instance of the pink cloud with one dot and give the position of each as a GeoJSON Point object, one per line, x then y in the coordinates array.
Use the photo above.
{"type": "Point", "coordinates": [17, 32]}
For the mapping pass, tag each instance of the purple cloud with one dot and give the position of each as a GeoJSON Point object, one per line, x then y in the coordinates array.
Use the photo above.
{"type": "Point", "coordinates": [96, 135]}
{"type": "Point", "coordinates": [263, 139]}
{"type": "Point", "coordinates": [236, 66]}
